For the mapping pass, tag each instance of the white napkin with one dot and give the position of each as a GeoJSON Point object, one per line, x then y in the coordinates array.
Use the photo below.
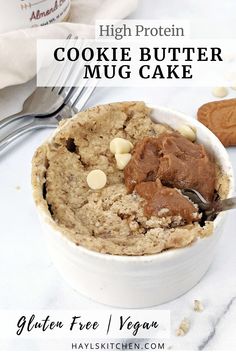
{"type": "Point", "coordinates": [18, 48]}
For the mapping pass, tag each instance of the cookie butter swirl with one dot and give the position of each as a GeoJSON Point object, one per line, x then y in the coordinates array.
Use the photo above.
{"type": "Point", "coordinates": [165, 201]}
{"type": "Point", "coordinates": [161, 164]}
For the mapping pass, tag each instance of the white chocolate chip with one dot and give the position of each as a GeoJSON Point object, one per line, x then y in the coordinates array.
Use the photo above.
{"type": "Point", "coordinates": [120, 146]}
{"type": "Point", "coordinates": [183, 327]}
{"type": "Point", "coordinates": [220, 92]}
{"type": "Point", "coordinates": [198, 306]}
{"type": "Point", "coordinates": [96, 179]}
{"type": "Point", "coordinates": [187, 132]}
{"type": "Point", "coordinates": [122, 160]}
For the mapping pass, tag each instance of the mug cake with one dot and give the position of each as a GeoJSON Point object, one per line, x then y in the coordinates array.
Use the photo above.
{"type": "Point", "coordinates": [111, 180]}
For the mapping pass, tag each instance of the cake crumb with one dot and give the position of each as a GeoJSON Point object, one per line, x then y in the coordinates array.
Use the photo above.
{"type": "Point", "coordinates": [198, 306]}
{"type": "Point", "coordinates": [183, 327]}
{"type": "Point", "coordinates": [18, 188]}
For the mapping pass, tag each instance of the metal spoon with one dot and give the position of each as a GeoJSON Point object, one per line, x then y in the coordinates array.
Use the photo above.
{"type": "Point", "coordinates": [209, 209]}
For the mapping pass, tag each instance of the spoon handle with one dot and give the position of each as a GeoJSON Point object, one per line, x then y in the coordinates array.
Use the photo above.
{"type": "Point", "coordinates": [226, 204]}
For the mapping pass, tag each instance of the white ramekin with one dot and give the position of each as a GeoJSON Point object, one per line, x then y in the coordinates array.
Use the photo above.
{"type": "Point", "coordinates": [140, 281]}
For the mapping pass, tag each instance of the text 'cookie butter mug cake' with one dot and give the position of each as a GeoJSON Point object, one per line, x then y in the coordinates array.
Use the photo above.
{"type": "Point", "coordinates": [107, 186]}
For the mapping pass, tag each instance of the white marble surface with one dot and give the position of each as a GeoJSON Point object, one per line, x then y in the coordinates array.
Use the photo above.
{"type": "Point", "coordinates": [28, 279]}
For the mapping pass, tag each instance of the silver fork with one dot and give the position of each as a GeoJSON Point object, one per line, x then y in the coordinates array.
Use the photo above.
{"type": "Point", "coordinates": [61, 103]}
{"type": "Point", "coordinates": [79, 97]}
{"type": "Point", "coordinates": [50, 100]}
{"type": "Point", "coordinates": [210, 209]}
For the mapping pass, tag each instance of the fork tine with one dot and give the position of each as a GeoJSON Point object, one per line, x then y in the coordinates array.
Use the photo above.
{"type": "Point", "coordinates": [82, 96]}
{"type": "Point", "coordinates": [55, 71]}
{"type": "Point", "coordinates": [66, 100]}
{"type": "Point", "coordinates": [65, 73]}
{"type": "Point", "coordinates": [76, 93]}
{"type": "Point", "coordinates": [74, 89]}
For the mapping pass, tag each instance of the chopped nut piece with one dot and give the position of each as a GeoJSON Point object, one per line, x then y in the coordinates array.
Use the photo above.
{"type": "Point", "coordinates": [120, 146]}
{"type": "Point", "coordinates": [96, 179]}
{"type": "Point", "coordinates": [220, 92]}
{"type": "Point", "coordinates": [198, 306]}
{"type": "Point", "coordinates": [183, 327]}
{"type": "Point", "coordinates": [122, 160]}
{"type": "Point", "coordinates": [187, 132]}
